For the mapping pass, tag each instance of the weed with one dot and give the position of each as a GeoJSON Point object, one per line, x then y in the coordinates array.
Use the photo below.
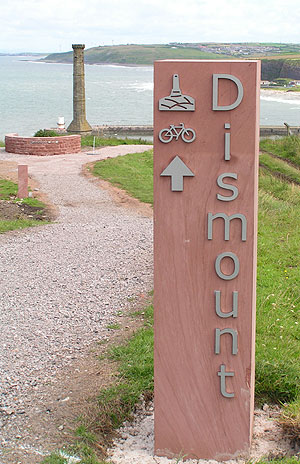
{"type": "Point", "coordinates": [290, 421]}
{"type": "Point", "coordinates": [113, 326]}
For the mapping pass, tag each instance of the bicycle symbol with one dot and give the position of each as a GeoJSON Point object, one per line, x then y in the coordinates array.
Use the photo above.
{"type": "Point", "coordinates": [167, 135]}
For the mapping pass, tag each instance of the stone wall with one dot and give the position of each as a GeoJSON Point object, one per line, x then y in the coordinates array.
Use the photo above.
{"type": "Point", "coordinates": [42, 146]}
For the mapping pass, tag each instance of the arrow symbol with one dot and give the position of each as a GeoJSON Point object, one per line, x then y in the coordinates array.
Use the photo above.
{"type": "Point", "coordinates": [177, 170]}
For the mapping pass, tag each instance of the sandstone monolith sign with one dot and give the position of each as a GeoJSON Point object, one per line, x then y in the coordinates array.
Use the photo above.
{"type": "Point", "coordinates": [206, 134]}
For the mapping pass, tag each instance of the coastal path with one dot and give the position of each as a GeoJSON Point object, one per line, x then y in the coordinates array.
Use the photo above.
{"type": "Point", "coordinates": [62, 285]}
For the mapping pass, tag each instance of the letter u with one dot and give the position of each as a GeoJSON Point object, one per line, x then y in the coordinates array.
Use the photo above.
{"type": "Point", "coordinates": [234, 311]}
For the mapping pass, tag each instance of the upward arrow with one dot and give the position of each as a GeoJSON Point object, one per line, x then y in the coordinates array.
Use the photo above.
{"type": "Point", "coordinates": [177, 170]}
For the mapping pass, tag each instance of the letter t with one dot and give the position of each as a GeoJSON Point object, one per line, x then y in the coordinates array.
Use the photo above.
{"type": "Point", "coordinates": [223, 374]}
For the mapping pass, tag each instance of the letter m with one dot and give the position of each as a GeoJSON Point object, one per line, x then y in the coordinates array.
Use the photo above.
{"type": "Point", "coordinates": [227, 220]}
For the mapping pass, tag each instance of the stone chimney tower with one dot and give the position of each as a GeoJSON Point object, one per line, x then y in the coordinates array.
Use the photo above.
{"type": "Point", "coordinates": [79, 123]}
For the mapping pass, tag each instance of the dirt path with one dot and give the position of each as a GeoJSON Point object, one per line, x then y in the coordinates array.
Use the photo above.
{"type": "Point", "coordinates": [62, 285]}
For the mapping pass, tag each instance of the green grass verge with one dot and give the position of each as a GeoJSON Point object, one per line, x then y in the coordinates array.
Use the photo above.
{"type": "Point", "coordinates": [2, 144]}
{"type": "Point", "coordinates": [7, 225]}
{"type": "Point", "coordinates": [116, 403]}
{"type": "Point", "coordinates": [8, 192]}
{"type": "Point", "coordinates": [135, 359]}
{"type": "Point", "coordinates": [278, 321]}
{"type": "Point", "coordinates": [133, 173]}
{"type": "Point", "coordinates": [8, 189]}
{"type": "Point", "coordinates": [280, 168]}
{"type": "Point", "coordinates": [287, 148]}
{"type": "Point", "coordinates": [88, 140]}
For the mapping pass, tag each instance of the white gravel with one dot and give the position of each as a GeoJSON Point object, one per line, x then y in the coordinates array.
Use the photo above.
{"type": "Point", "coordinates": [136, 442]}
{"type": "Point", "coordinates": [62, 283]}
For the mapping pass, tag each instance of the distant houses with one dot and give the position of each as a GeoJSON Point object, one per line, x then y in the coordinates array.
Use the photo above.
{"type": "Point", "coordinates": [287, 84]}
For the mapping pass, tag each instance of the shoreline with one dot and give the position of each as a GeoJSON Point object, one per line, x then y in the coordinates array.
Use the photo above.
{"type": "Point", "coordinates": [282, 93]}
{"type": "Point", "coordinates": [125, 65]}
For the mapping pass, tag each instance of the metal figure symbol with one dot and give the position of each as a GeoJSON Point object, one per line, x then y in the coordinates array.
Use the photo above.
{"type": "Point", "coordinates": [176, 101]}
{"type": "Point", "coordinates": [167, 135]}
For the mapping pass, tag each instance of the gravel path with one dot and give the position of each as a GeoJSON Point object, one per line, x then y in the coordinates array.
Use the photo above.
{"type": "Point", "coordinates": [61, 284]}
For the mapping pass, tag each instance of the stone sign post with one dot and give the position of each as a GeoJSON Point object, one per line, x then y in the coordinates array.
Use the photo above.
{"type": "Point", "coordinates": [206, 135]}
{"type": "Point", "coordinates": [22, 181]}
{"type": "Point", "coordinates": [79, 123]}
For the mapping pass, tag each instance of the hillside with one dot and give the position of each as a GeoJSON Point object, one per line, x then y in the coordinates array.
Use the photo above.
{"type": "Point", "coordinates": [278, 60]}
{"type": "Point", "coordinates": [134, 54]}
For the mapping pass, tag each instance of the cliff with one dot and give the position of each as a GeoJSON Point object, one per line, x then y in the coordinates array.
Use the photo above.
{"type": "Point", "coordinates": [288, 68]}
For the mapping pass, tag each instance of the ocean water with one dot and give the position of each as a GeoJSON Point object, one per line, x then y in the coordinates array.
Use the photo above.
{"type": "Point", "coordinates": [33, 95]}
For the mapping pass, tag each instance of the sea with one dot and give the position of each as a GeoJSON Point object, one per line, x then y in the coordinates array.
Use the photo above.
{"type": "Point", "coordinates": [34, 94]}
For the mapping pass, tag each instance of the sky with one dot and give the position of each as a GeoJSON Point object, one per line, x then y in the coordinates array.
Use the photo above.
{"type": "Point", "coordinates": [52, 26]}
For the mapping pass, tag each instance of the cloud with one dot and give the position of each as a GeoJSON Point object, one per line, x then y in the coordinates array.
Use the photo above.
{"type": "Point", "coordinates": [52, 26]}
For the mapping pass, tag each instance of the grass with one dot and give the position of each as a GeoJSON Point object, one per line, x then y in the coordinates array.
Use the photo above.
{"type": "Point", "coordinates": [88, 140]}
{"type": "Point", "coordinates": [280, 167]}
{"type": "Point", "coordinates": [135, 360]}
{"type": "Point", "coordinates": [8, 189]}
{"type": "Point", "coordinates": [88, 456]}
{"type": "Point", "coordinates": [7, 225]}
{"type": "Point", "coordinates": [287, 148]}
{"type": "Point", "coordinates": [292, 460]}
{"type": "Point", "coordinates": [277, 346]}
{"type": "Point", "coordinates": [8, 192]}
{"type": "Point", "coordinates": [2, 144]}
{"type": "Point", "coordinates": [133, 173]}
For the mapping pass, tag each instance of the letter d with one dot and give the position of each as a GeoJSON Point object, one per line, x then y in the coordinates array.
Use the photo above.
{"type": "Point", "coordinates": [240, 95]}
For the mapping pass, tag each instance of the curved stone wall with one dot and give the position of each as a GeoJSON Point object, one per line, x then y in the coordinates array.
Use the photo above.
{"type": "Point", "coordinates": [42, 146]}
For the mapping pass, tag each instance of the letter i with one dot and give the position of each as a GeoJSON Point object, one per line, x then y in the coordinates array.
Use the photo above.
{"type": "Point", "coordinates": [227, 142]}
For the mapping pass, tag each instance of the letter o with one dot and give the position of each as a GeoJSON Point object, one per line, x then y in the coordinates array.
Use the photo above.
{"type": "Point", "coordinates": [236, 266]}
